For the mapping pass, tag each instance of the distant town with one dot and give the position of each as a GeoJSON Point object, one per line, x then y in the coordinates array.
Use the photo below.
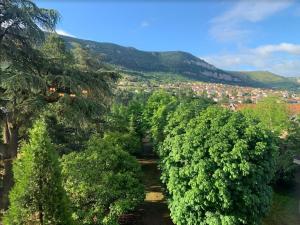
{"type": "Point", "coordinates": [221, 93]}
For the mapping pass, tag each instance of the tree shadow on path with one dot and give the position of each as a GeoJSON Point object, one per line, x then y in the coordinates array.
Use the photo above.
{"type": "Point", "coordinates": [154, 209]}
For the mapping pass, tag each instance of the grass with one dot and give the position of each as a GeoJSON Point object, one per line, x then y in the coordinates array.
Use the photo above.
{"type": "Point", "coordinates": [285, 209]}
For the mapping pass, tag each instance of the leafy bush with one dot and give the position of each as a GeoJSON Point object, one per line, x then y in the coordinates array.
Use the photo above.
{"type": "Point", "coordinates": [102, 182]}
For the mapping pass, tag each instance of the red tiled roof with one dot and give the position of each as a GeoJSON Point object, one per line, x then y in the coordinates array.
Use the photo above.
{"type": "Point", "coordinates": [294, 108]}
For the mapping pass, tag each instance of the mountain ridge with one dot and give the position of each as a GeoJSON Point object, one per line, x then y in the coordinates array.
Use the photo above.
{"type": "Point", "coordinates": [177, 62]}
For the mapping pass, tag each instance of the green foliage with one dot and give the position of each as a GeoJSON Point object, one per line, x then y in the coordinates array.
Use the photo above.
{"type": "Point", "coordinates": [169, 67]}
{"type": "Point", "coordinates": [136, 107]}
{"type": "Point", "coordinates": [185, 111]}
{"type": "Point", "coordinates": [156, 112]}
{"type": "Point", "coordinates": [219, 171]}
{"type": "Point", "coordinates": [103, 182]}
{"type": "Point", "coordinates": [179, 119]}
{"type": "Point", "coordinates": [127, 114]}
{"type": "Point", "coordinates": [66, 136]}
{"type": "Point", "coordinates": [24, 92]}
{"type": "Point", "coordinates": [159, 77]}
{"type": "Point", "coordinates": [38, 196]}
{"type": "Point", "coordinates": [129, 142]}
{"type": "Point", "coordinates": [118, 118]}
{"type": "Point", "coordinates": [274, 115]}
{"type": "Point", "coordinates": [288, 148]}
{"type": "Point", "coordinates": [272, 112]}
{"type": "Point", "coordinates": [270, 80]}
{"type": "Point", "coordinates": [21, 24]}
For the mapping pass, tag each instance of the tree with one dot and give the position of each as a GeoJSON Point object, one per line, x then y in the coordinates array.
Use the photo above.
{"type": "Point", "coordinates": [76, 96]}
{"type": "Point", "coordinates": [103, 182]}
{"type": "Point", "coordinates": [38, 196]}
{"type": "Point", "coordinates": [273, 112]}
{"type": "Point", "coordinates": [220, 170]}
{"type": "Point", "coordinates": [82, 92]}
{"type": "Point", "coordinates": [128, 141]}
{"type": "Point", "coordinates": [178, 123]}
{"type": "Point", "coordinates": [136, 106]}
{"type": "Point", "coordinates": [21, 24]}
{"type": "Point", "coordinates": [188, 109]}
{"type": "Point", "coordinates": [118, 119]}
{"type": "Point", "coordinates": [157, 99]}
{"type": "Point", "coordinates": [288, 149]}
{"type": "Point", "coordinates": [127, 114]}
{"type": "Point", "coordinates": [274, 115]}
{"type": "Point", "coordinates": [156, 112]}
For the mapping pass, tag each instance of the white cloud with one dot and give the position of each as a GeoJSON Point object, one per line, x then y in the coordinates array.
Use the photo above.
{"type": "Point", "coordinates": [65, 33]}
{"type": "Point", "coordinates": [145, 24]}
{"type": "Point", "coordinates": [283, 59]}
{"type": "Point", "coordinates": [283, 47]}
{"type": "Point", "coordinates": [229, 26]}
{"type": "Point", "coordinates": [289, 68]}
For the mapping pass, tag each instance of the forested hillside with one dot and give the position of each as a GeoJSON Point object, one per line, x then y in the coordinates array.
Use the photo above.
{"type": "Point", "coordinates": [169, 62]}
{"type": "Point", "coordinates": [182, 65]}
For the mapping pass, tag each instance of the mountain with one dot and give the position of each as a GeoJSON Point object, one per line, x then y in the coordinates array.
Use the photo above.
{"type": "Point", "coordinates": [176, 64]}
{"type": "Point", "coordinates": [270, 80]}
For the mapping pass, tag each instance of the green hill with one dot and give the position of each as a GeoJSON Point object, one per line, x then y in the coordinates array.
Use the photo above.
{"type": "Point", "coordinates": [177, 65]}
{"type": "Point", "coordinates": [270, 80]}
{"type": "Point", "coordinates": [177, 62]}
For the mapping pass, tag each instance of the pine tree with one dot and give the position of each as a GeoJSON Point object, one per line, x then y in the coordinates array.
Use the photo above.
{"type": "Point", "coordinates": [38, 196]}
{"type": "Point", "coordinates": [21, 27]}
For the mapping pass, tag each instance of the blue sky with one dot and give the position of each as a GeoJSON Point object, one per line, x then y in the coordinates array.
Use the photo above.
{"type": "Point", "coordinates": [232, 35]}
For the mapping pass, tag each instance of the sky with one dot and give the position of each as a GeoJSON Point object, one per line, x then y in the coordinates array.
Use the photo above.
{"type": "Point", "coordinates": [230, 34]}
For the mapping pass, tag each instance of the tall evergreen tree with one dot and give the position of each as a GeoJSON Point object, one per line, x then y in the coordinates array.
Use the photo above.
{"type": "Point", "coordinates": [78, 95]}
{"type": "Point", "coordinates": [21, 24]}
{"type": "Point", "coordinates": [38, 196]}
{"type": "Point", "coordinates": [21, 28]}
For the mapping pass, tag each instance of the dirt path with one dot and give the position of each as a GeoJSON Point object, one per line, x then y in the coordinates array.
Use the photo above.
{"type": "Point", "coordinates": [155, 210]}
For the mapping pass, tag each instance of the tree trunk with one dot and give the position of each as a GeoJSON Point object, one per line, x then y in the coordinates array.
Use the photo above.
{"type": "Point", "coordinates": [10, 148]}
{"type": "Point", "coordinates": [7, 183]}
{"type": "Point", "coordinates": [41, 217]}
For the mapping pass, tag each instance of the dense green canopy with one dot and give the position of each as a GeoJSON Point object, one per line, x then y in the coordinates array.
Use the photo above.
{"type": "Point", "coordinates": [274, 114]}
{"type": "Point", "coordinates": [219, 170]}
{"type": "Point", "coordinates": [156, 112]}
{"type": "Point", "coordinates": [103, 182]}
